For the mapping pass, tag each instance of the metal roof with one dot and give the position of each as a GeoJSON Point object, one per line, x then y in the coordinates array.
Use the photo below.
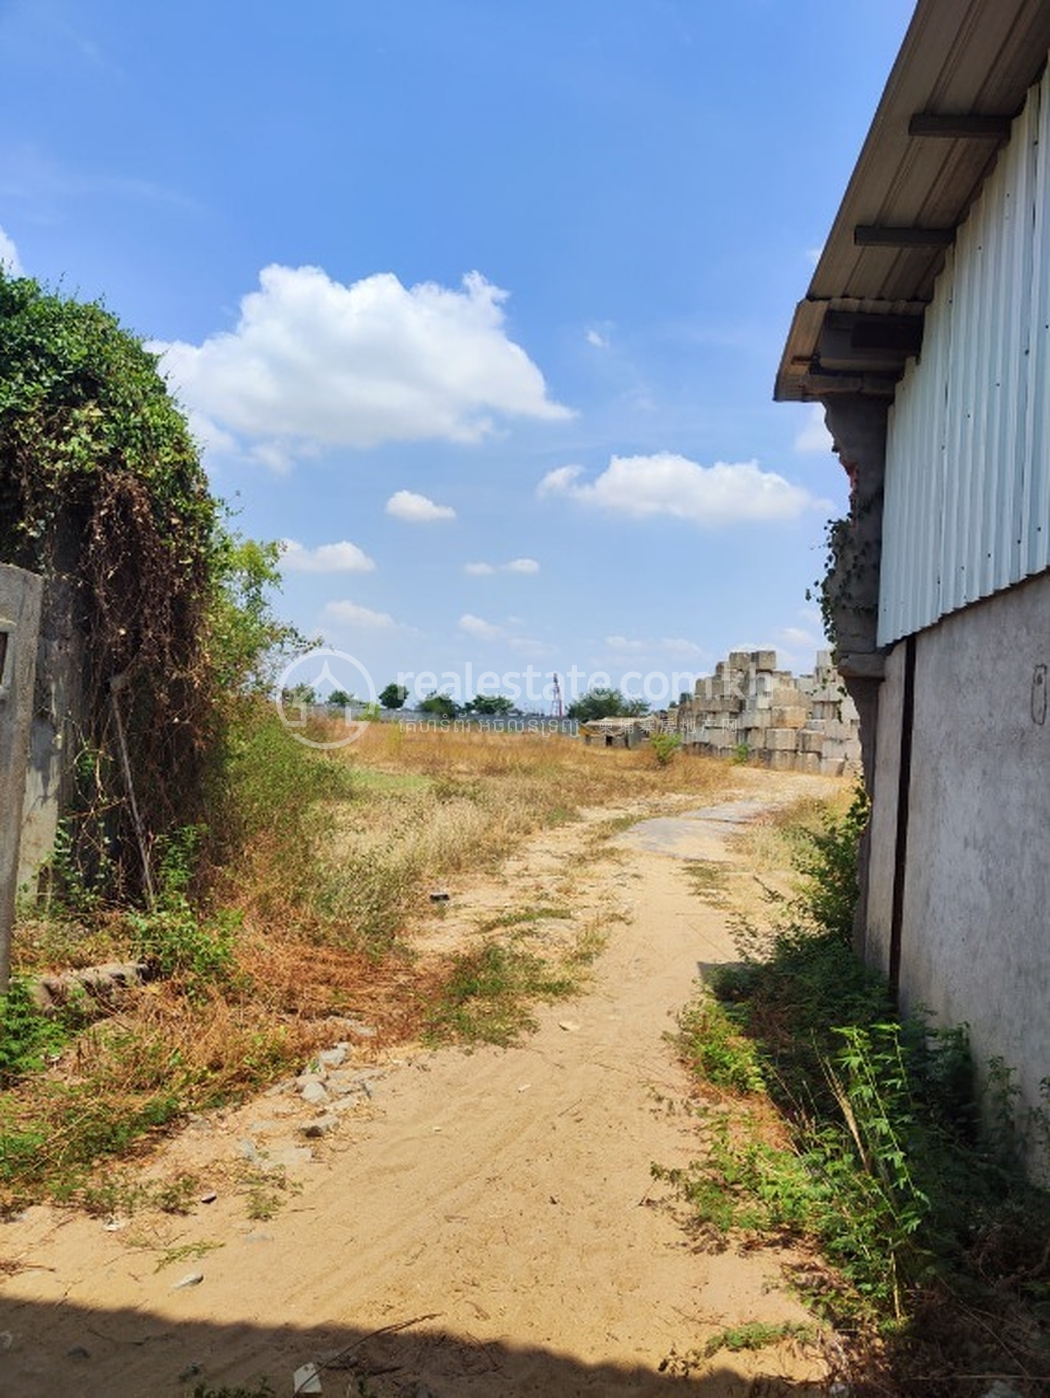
{"type": "Point", "coordinates": [959, 80]}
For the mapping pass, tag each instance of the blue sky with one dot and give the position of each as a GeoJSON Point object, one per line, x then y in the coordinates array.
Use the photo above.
{"type": "Point", "coordinates": [477, 303]}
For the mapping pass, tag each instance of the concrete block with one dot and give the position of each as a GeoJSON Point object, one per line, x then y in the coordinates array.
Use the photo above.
{"type": "Point", "coordinates": [809, 762]}
{"type": "Point", "coordinates": [781, 739]}
{"type": "Point", "coordinates": [784, 696]}
{"type": "Point", "coordinates": [790, 716]}
{"type": "Point", "coordinates": [832, 766]}
{"type": "Point", "coordinates": [810, 742]}
{"type": "Point", "coordinates": [783, 761]}
{"type": "Point", "coordinates": [764, 660]}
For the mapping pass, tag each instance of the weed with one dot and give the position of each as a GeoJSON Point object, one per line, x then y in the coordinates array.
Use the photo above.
{"type": "Point", "coordinates": [828, 866]}
{"type": "Point", "coordinates": [741, 755]}
{"type": "Point", "coordinates": [752, 1335]}
{"type": "Point", "coordinates": [27, 1038]}
{"type": "Point", "coordinates": [519, 917]}
{"type": "Point", "coordinates": [715, 1049]}
{"type": "Point", "coordinates": [709, 881]}
{"type": "Point", "coordinates": [486, 996]}
{"type": "Point", "coordinates": [664, 746]}
{"type": "Point", "coordinates": [184, 1253]}
{"type": "Point", "coordinates": [875, 1157]}
{"type": "Point", "coordinates": [267, 1191]}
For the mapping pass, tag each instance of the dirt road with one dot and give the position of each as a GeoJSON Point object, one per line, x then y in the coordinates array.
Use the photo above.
{"type": "Point", "coordinates": [485, 1224]}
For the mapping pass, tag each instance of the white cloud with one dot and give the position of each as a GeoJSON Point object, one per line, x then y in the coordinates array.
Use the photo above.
{"type": "Point", "coordinates": [558, 481]}
{"type": "Point", "coordinates": [314, 363]}
{"type": "Point", "coordinates": [9, 258]}
{"type": "Point", "coordinates": [326, 558]}
{"type": "Point", "coordinates": [417, 509]}
{"type": "Point", "coordinates": [516, 565]}
{"type": "Point", "coordinates": [666, 484]}
{"type": "Point", "coordinates": [814, 436]}
{"type": "Point", "coordinates": [597, 340]}
{"type": "Point", "coordinates": [362, 617]}
{"type": "Point", "coordinates": [667, 645]}
{"type": "Point", "coordinates": [483, 630]}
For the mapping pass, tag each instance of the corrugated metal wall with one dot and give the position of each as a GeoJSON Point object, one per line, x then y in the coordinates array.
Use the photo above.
{"type": "Point", "coordinates": [967, 509]}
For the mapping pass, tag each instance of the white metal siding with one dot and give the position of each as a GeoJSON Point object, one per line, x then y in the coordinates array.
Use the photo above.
{"type": "Point", "coordinates": [967, 507]}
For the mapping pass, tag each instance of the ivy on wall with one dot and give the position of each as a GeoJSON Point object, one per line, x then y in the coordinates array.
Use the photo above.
{"type": "Point", "coordinates": [102, 491]}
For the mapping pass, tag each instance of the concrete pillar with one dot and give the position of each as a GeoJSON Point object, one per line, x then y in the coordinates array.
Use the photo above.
{"type": "Point", "coordinates": [20, 598]}
{"type": "Point", "coordinates": [851, 588]}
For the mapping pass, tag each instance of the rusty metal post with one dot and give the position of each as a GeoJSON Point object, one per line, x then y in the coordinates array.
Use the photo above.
{"type": "Point", "coordinates": [20, 598]}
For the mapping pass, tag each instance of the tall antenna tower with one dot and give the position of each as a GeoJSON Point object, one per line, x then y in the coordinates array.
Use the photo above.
{"type": "Point", "coordinates": [557, 707]}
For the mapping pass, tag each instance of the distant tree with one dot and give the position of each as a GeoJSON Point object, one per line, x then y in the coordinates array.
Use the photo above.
{"type": "Point", "coordinates": [497, 704]}
{"type": "Point", "coordinates": [339, 699]}
{"type": "Point", "coordinates": [441, 704]}
{"type": "Point", "coordinates": [299, 694]}
{"type": "Point", "coordinates": [393, 696]}
{"type": "Point", "coordinates": [606, 703]}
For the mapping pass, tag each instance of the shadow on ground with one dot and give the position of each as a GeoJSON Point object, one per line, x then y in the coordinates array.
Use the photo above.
{"type": "Point", "coordinates": [66, 1351]}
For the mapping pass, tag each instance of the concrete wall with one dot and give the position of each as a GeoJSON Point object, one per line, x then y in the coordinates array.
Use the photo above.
{"type": "Point", "coordinates": [57, 726]}
{"type": "Point", "coordinates": [975, 931]}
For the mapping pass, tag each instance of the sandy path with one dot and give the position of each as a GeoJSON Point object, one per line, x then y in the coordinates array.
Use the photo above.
{"type": "Point", "coordinates": [500, 1200]}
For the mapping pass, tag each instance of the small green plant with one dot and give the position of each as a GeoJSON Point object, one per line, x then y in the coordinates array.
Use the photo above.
{"type": "Point", "coordinates": [27, 1037]}
{"type": "Point", "coordinates": [172, 935]}
{"type": "Point", "coordinates": [714, 1047]}
{"type": "Point", "coordinates": [752, 1335]}
{"type": "Point", "coordinates": [664, 746]}
{"type": "Point", "coordinates": [741, 755]}
{"type": "Point", "coordinates": [185, 1253]}
{"type": "Point", "coordinates": [267, 1191]}
{"type": "Point", "coordinates": [827, 863]}
{"type": "Point", "coordinates": [486, 998]}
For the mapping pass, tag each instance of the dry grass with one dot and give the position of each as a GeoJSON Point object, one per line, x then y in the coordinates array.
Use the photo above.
{"type": "Point", "coordinates": [335, 859]}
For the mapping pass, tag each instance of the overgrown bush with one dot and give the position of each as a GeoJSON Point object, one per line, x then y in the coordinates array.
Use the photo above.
{"type": "Point", "coordinates": [884, 1167]}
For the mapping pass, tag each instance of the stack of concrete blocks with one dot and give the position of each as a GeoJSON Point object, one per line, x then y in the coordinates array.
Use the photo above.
{"type": "Point", "coordinates": [800, 723]}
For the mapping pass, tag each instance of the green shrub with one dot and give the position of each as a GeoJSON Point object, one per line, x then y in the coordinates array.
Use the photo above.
{"type": "Point", "coordinates": [26, 1035]}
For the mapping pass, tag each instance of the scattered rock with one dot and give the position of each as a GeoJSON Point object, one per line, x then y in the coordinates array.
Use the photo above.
{"type": "Point", "coordinates": [321, 1126]}
{"type": "Point", "coordinates": [190, 1279]}
{"type": "Point", "coordinates": [342, 1084]}
{"type": "Point", "coordinates": [569, 1025]}
{"type": "Point", "coordinates": [190, 1372]}
{"type": "Point", "coordinates": [359, 1030]}
{"type": "Point", "coordinates": [314, 1092]}
{"type": "Point", "coordinates": [249, 1152]}
{"type": "Point", "coordinates": [333, 1057]}
{"type": "Point", "coordinates": [78, 1352]}
{"type": "Point", "coordinates": [210, 1197]}
{"type": "Point", "coordinates": [439, 896]}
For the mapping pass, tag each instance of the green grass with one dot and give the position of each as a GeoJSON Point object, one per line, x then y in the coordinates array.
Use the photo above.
{"type": "Point", "coordinates": [523, 917]}
{"type": "Point", "coordinates": [876, 1157]}
{"type": "Point", "coordinates": [489, 994]}
{"type": "Point", "coordinates": [751, 1335]}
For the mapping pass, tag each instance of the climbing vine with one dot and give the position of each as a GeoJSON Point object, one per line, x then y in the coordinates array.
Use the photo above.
{"type": "Point", "coordinates": [102, 491]}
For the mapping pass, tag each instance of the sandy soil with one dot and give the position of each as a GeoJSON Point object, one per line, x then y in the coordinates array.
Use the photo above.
{"type": "Point", "coordinates": [483, 1224]}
